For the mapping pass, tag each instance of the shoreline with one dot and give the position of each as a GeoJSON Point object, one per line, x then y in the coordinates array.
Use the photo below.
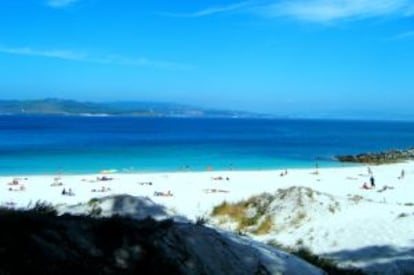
{"type": "Point", "coordinates": [322, 165]}
{"type": "Point", "coordinates": [271, 180]}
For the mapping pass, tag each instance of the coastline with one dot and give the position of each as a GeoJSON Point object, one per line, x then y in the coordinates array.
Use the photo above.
{"type": "Point", "coordinates": [376, 221]}
{"type": "Point", "coordinates": [241, 183]}
{"type": "Point", "coordinates": [270, 166]}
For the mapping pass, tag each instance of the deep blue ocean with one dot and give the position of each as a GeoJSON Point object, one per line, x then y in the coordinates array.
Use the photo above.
{"type": "Point", "coordinates": [74, 144]}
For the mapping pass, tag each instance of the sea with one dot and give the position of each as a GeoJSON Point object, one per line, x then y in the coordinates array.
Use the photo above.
{"type": "Point", "coordinates": [87, 144]}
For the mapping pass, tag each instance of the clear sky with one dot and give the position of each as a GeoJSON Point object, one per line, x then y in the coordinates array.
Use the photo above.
{"type": "Point", "coordinates": [307, 57]}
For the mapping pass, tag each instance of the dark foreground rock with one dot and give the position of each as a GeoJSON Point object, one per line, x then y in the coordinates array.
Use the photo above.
{"type": "Point", "coordinates": [391, 156]}
{"type": "Point", "coordinates": [43, 243]}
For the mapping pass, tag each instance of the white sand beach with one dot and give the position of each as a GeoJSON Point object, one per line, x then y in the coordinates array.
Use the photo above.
{"type": "Point", "coordinates": [374, 231]}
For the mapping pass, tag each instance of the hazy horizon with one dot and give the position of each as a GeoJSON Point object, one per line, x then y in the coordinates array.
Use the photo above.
{"type": "Point", "coordinates": [340, 58]}
{"type": "Point", "coordinates": [368, 115]}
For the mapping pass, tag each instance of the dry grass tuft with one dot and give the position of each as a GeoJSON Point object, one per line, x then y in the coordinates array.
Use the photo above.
{"type": "Point", "coordinates": [234, 211]}
{"type": "Point", "coordinates": [265, 227]}
{"type": "Point", "coordinates": [247, 213]}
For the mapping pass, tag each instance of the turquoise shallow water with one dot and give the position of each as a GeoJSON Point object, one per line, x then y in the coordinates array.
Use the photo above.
{"type": "Point", "coordinates": [49, 144]}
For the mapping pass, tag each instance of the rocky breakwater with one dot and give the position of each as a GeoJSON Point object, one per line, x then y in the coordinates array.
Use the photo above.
{"type": "Point", "coordinates": [390, 156]}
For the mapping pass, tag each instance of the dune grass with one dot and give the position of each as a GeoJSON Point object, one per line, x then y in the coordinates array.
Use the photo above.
{"type": "Point", "coordinates": [249, 215]}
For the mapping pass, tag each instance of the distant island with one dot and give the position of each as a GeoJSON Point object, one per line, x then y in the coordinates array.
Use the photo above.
{"type": "Point", "coordinates": [122, 108]}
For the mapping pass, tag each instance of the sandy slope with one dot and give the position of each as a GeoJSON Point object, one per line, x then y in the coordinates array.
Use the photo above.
{"type": "Point", "coordinates": [375, 233]}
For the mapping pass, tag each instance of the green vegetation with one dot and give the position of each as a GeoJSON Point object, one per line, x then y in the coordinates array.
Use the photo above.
{"type": "Point", "coordinates": [249, 215]}
{"type": "Point", "coordinates": [40, 208]}
{"type": "Point", "coordinates": [201, 220]}
{"type": "Point", "coordinates": [95, 210]}
{"type": "Point", "coordinates": [43, 208]}
{"type": "Point", "coordinates": [235, 211]}
{"type": "Point", "coordinates": [266, 226]}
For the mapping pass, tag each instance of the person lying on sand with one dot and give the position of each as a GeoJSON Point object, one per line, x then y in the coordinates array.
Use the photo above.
{"type": "Point", "coordinates": [20, 188]}
{"type": "Point", "coordinates": [102, 189]}
{"type": "Point", "coordinates": [103, 178]}
{"type": "Point", "coordinates": [146, 183]}
{"type": "Point", "coordinates": [385, 187]}
{"type": "Point", "coordinates": [14, 182]}
{"type": "Point", "coordinates": [163, 194]}
{"type": "Point", "coordinates": [57, 184]}
{"type": "Point", "coordinates": [365, 186]}
{"type": "Point", "coordinates": [220, 178]}
{"type": "Point", "coordinates": [213, 190]}
{"type": "Point", "coordinates": [89, 180]}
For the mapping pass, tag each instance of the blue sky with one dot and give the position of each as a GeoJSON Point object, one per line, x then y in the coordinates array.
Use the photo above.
{"type": "Point", "coordinates": [289, 57]}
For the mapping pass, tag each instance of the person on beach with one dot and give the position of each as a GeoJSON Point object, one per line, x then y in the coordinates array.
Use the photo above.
{"type": "Point", "coordinates": [402, 174]}
{"type": "Point", "coordinates": [372, 181]}
{"type": "Point", "coordinates": [365, 186]}
{"type": "Point", "coordinates": [64, 191]}
{"type": "Point", "coordinates": [284, 173]}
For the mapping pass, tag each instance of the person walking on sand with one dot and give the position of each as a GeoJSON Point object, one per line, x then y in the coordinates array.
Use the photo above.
{"type": "Point", "coordinates": [372, 181]}
{"type": "Point", "coordinates": [402, 174]}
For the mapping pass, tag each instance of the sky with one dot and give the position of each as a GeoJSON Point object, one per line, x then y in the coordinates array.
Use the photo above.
{"type": "Point", "coordinates": [283, 57]}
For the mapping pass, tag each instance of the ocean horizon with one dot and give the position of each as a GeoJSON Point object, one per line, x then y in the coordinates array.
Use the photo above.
{"type": "Point", "coordinates": [82, 145]}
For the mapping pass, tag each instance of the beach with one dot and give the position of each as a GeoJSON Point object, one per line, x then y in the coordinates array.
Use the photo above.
{"type": "Point", "coordinates": [194, 193]}
{"type": "Point", "coordinates": [381, 217]}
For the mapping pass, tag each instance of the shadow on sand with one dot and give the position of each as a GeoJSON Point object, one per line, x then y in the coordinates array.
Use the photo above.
{"type": "Point", "coordinates": [141, 208]}
{"type": "Point", "coordinates": [378, 259]}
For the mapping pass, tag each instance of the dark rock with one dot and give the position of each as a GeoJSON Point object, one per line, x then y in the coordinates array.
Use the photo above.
{"type": "Point", "coordinates": [391, 156]}
{"type": "Point", "coordinates": [35, 243]}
